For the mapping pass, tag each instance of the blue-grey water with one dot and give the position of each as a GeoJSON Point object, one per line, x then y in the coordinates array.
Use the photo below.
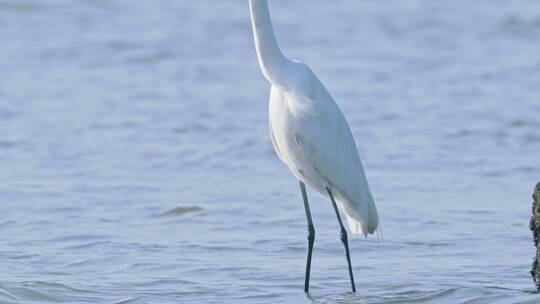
{"type": "Point", "coordinates": [136, 164]}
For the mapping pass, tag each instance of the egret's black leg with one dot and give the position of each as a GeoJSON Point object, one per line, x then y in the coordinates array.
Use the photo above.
{"type": "Point", "coordinates": [344, 239]}
{"type": "Point", "coordinates": [311, 235]}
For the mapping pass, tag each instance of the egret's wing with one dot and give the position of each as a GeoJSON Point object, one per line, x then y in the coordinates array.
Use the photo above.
{"type": "Point", "coordinates": [327, 144]}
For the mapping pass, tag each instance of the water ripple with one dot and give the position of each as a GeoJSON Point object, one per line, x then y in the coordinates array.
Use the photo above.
{"type": "Point", "coordinates": [182, 210]}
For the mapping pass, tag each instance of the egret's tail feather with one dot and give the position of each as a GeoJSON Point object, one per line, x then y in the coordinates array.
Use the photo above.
{"type": "Point", "coordinates": [363, 224]}
{"type": "Point", "coordinates": [373, 216]}
{"type": "Point", "coordinates": [356, 226]}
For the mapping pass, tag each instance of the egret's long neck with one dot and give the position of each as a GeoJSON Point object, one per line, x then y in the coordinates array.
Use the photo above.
{"type": "Point", "coordinates": [271, 59]}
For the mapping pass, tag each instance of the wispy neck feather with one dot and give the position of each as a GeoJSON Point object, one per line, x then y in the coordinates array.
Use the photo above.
{"type": "Point", "coordinates": [271, 59]}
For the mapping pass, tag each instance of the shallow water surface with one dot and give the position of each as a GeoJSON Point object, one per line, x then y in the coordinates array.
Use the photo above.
{"type": "Point", "coordinates": [137, 165]}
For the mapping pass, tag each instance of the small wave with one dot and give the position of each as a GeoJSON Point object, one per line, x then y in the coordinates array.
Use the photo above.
{"type": "Point", "coordinates": [420, 297]}
{"type": "Point", "coordinates": [412, 296]}
{"type": "Point", "coordinates": [520, 27]}
{"type": "Point", "coordinates": [76, 238]}
{"type": "Point", "coordinates": [20, 7]}
{"type": "Point", "coordinates": [39, 291]}
{"type": "Point", "coordinates": [296, 248]}
{"type": "Point", "coordinates": [518, 123]}
{"type": "Point", "coordinates": [182, 210]}
{"type": "Point", "coordinates": [428, 244]}
{"type": "Point", "coordinates": [127, 301]}
{"type": "Point", "coordinates": [219, 248]}
{"type": "Point", "coordinates": [7, 144]}
{"type": "Point", "coordinates": [6, 294]}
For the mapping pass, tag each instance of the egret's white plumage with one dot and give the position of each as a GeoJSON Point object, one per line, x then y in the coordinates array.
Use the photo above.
{"type": "Point", "coordinates": [308, 130]}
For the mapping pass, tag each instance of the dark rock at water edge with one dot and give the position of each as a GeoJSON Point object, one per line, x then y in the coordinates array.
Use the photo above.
{"type": "Point", "coordinates": [534, 225]}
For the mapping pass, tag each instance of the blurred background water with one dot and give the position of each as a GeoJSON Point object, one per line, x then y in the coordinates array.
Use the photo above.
{"type": "Point", "coordinates": [136, 163]}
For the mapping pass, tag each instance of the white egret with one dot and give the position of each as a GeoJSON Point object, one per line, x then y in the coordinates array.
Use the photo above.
{"type": "Point", "coordinates": [311, 136]}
